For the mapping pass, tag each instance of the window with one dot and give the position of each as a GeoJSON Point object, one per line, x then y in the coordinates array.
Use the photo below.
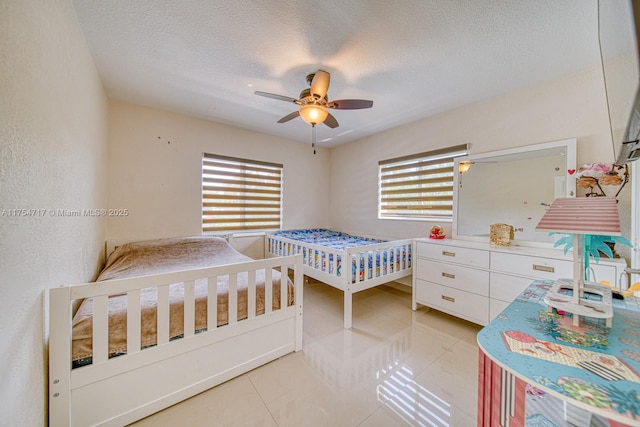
{"type": "Point", "coordinates": [418, 186]}
{"type": "Point", "coordinates": [239, 194]}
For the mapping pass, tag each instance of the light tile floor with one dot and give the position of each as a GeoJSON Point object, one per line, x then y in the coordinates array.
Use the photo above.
{"type": "Point", "coordinates": [395, 367]}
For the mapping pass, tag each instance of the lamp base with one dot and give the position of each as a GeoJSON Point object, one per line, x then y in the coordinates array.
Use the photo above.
{"type": "Point", "coordinates": [595, 300]}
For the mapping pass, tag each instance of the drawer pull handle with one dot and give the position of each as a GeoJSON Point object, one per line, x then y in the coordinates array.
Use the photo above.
{"type": "Point", "coordinates": [449, 275]}
{"type": "Point", "coordinates": [447, 253]}
{"type": "Point", "coordinates": [446, 298]}
{"type": "Point", "coordinates": [543, 268]}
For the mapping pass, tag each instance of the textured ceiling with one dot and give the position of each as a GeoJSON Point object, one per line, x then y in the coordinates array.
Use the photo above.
{"type": "Point", "coordinates": [414, 58]}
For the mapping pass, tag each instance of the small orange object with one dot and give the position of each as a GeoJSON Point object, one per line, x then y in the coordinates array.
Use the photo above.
{"type": "Point", "coordinates": [436, 232]}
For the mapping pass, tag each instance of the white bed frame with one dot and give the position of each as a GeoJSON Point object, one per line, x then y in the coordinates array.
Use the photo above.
{"type": "Point", "coordinates": [281, 246]}
{"type": "Point", "coordinates": [123, 389]}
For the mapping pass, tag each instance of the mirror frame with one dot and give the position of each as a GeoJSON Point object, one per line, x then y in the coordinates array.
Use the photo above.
{"type": "Point", "coordinates": [570, 162]}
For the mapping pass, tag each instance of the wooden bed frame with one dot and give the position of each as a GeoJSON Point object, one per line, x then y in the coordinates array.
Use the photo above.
{"type": "Point", "coordinates": [120, 390]}
{"type": "Point", "coordinates": [282, 246]}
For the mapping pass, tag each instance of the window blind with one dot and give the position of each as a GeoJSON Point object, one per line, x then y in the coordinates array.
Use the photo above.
{"type": "Point", "coordinates": [419, 185]}
{"type": "Point", "coordinates": [240, 194]}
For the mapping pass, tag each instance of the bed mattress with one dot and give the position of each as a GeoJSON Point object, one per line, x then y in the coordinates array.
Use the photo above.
{"type": "Point", "coordinates": [326, 237]}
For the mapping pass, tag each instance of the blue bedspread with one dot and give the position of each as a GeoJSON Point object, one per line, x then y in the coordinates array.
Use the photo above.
{"type": "Point", "coordinates": [325, 237]}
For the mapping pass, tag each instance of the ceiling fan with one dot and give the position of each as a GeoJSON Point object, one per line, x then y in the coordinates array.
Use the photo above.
{"type": "Point", "coordinates": [314, 103]}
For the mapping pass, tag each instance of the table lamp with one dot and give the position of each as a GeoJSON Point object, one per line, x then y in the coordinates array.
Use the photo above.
{"type": "Point", "coordinates": [579, 217]}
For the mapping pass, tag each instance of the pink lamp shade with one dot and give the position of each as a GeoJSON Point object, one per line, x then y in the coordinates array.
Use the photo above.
{"type": "Point", "coordinates": [582, 215]}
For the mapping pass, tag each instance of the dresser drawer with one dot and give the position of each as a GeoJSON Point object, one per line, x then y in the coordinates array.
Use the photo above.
{"type": "Point", "coordinates": [530, 266]}
{"type": "Point", "coordinates": [453, 275]}
{"type": "Point", "coordinates": [506, 288]}
{"type": "Point", "coordinates": [453, 301]}
{"type": "Point", "coordinates": [466, 256]}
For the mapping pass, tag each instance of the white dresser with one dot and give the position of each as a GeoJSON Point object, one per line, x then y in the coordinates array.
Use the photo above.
{"type": "Point", "coordinates": [476, 281]}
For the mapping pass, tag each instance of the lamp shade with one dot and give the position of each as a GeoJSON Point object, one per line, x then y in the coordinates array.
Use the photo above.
{"type": "Point", "coordinates": [313, 114]}
{"type": "Point", "coordinates": [582, 215]}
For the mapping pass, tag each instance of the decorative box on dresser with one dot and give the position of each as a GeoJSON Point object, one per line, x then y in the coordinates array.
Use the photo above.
{"type": "Point", "coordinates": [476, 281]}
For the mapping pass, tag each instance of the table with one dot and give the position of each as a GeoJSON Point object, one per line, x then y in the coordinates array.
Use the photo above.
{"type": "Point", "coordinates": [535, 366]}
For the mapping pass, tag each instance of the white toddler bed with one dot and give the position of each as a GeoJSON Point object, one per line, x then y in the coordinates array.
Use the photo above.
{"type": "Point", "coordinates": [372, 261]}
{"type": "Point", "coordinates": [147, 336]}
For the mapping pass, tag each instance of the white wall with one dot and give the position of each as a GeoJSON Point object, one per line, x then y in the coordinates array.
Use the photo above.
{"type": "Point", "coordinates": [154, 158]}
{"type": "Point", "coordinates": [155, 163]}
{"type": "Point", "coordinates": [571, 107]}
{"type": "Point", "coordinates": [53, 114]}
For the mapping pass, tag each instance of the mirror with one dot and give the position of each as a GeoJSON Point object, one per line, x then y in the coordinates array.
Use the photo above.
{"type": "Point", "coordinates": [617, 36]}
{"type": "Point", "coordinates": [513, 187]}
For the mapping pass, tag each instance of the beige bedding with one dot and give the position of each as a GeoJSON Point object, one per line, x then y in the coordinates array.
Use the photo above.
{"type": "Point", "coordinates": [162, 256]}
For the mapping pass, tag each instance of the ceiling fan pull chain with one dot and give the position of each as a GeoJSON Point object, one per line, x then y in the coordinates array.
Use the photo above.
{"type": "Point", "coordinates": [313, 138]}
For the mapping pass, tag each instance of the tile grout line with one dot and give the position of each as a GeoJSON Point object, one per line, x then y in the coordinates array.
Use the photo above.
{"type": "Point", "coordinates": [262, 399]}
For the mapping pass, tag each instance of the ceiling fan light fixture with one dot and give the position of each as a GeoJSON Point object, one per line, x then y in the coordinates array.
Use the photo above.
{"type": "Point", "coordinates": [314, 103]}
{"type": "Point", "coordinates": [464, 166]}
{"type": "Point", "coordinates": [313, 114]}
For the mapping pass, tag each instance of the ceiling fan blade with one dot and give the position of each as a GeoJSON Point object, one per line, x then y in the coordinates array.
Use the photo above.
{"type": "Point", "coordinates": [289, 117]}
{"type": "Point", "coordinates": [350, 104]}
{"type": "Point", "coordinates": [331, 121]}
{"type": "Point", "coordinates": [278, 97]}
{"type": "Point", "coordinates": [320, 84]}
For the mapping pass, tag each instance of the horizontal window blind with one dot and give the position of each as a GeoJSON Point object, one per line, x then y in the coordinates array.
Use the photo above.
{"type": "Point", "coordinates": [240, 194]}
{"type": "Point", "coordinates": [419, 185]}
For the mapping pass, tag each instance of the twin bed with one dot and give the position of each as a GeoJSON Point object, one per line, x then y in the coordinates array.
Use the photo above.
{"type": "Point", "coordinates": [166, 320]}
{"type": "Point", "coordinates": [346, 262]}
{"type": "Point", "coordinates": [149, 332]}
